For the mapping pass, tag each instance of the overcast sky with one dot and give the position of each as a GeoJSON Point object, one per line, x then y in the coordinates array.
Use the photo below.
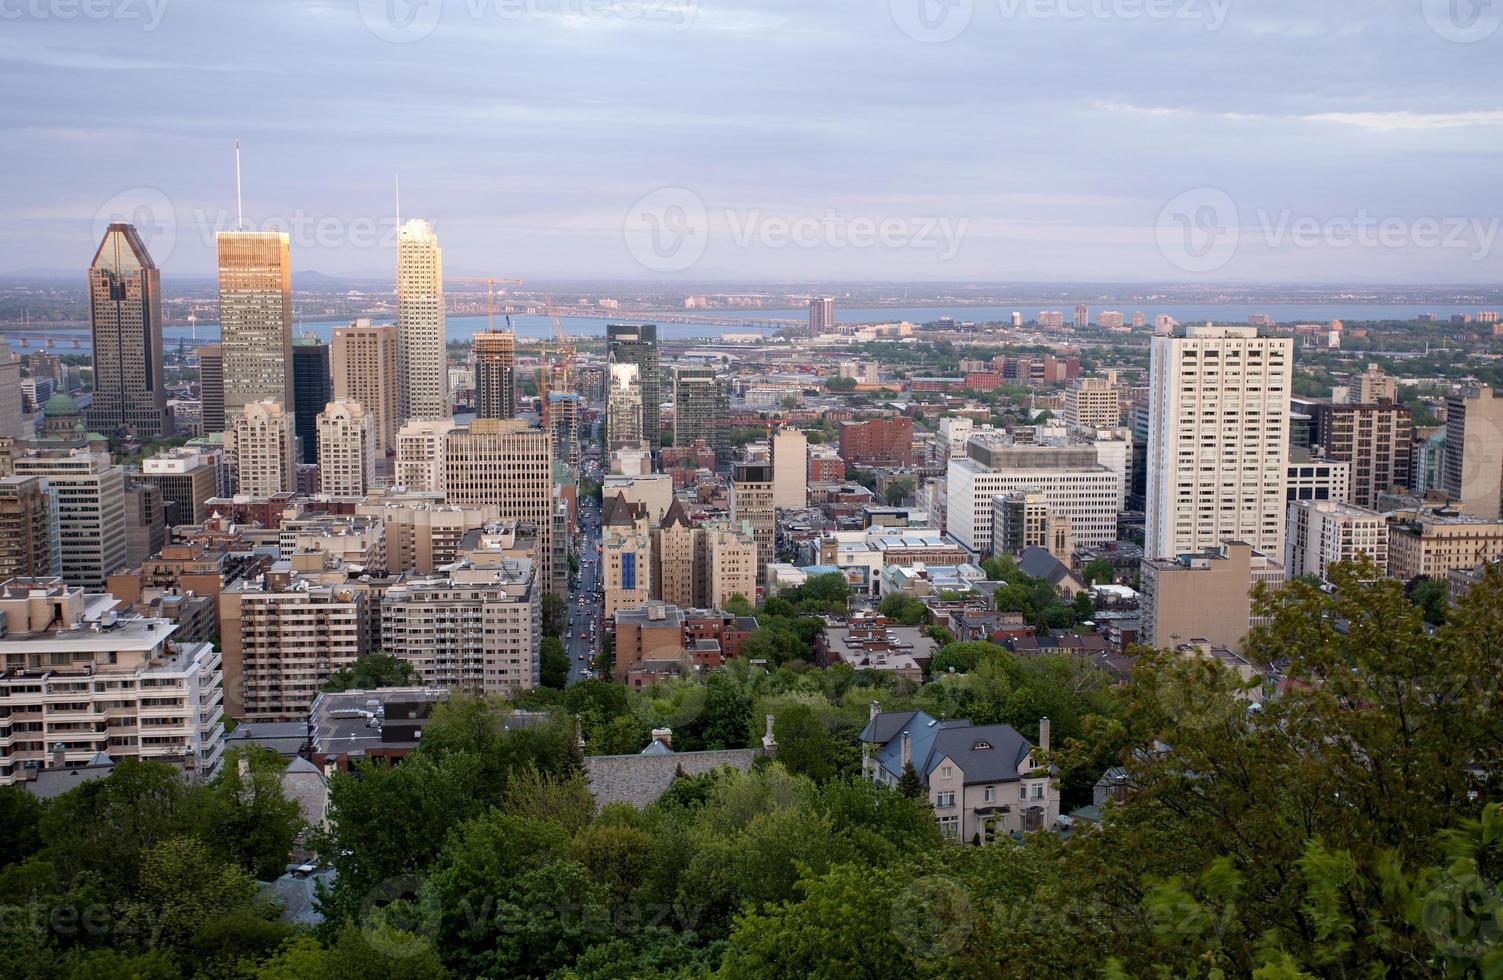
{"type": "Point", "coordinates": [1251, 140]}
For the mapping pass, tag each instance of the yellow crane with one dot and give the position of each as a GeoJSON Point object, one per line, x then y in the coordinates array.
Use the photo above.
{"type": "Point", "coordinates": [490, 294]}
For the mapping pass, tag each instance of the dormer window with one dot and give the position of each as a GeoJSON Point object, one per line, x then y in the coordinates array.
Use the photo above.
{"type": "Point", "coordinates": [980, 745]}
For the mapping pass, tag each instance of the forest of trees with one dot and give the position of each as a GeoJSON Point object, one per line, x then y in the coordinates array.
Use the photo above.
{"type": "Point", "coordinates": [1346, 827]}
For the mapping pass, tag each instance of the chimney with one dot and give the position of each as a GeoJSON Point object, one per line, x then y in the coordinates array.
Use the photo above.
{"type": "Point", "coordinates": [876, 710]}
{"type": "Point", "coordinates": [907, 750]}
{"type": "Point", "coordinates": [769, 744]}
{"type": "Point", "coordinates": [1044, 734]}
{"type": "Point", "coordinates": [664, 735]}
{"type": "Point", "coordinates": [59, 756]}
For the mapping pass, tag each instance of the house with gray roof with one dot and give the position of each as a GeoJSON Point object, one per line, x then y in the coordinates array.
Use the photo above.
{"type": "Point", "coordinates": [982, 780]}
{"type": "Point", "coordinates": [643, 778]}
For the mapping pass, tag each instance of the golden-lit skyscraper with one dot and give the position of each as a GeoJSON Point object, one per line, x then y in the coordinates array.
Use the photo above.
{"type": "Point", "coordinates": [125, 311]}
{"type": "Point", "coordinates": [421, 336]}
{"type": "Point", "coordinates": [495, 354]}
{"type": "Point", "coordinates": [255, 318]}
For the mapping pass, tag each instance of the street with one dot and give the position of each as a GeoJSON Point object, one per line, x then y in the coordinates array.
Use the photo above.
{"type": "Point", "coordinates": [584, 605]}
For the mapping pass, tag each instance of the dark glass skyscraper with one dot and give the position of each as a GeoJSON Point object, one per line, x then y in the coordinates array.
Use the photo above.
{"type": "Point", "coordinates": [312, 390]}
{"type": "Point", "coordinates": [637, 343]}
{"type": "Point", "coordinates": [125, 311]}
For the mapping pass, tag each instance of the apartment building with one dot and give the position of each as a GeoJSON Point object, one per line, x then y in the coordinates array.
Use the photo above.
{"type": "Point", "coordinates": [474, 628]}
{"type": "Point", "coordinates": [1203, 596]}
{"type": "Point", "coordinates": [1218, 441]}
{"type": "Point", "coordinates": [30, 535]}
{"type": "Point", "coordinates": [1094, 403]}
{"type": "Point", "coordinates": [1324, 532]}
{"type": "Point", "coordinates": [283, 635]}
{"type": "Point", "coordinates": [507, 464]}
{"type": "Point", "coordinates": [346, 449]}
{"type": "Point", "coordinates": [425, 536]}
{"type": "Point", "coordinates": [1074, 485]}
{"type": "Point", "coordinates": [753, 504]}
{"type": "Point", "coordinates": [188, 477]}
{"type": "Point", "coordinates": [263, 445]}
{"type": "Point", "coordinates": [1472, 468]}
{"type": "Point", "coordinates": [1375, 440]}
{"type": "Point", "coordinates": [90, 491]}
{"type": "Point", "coordinates": [420, 454]}
{"type": "Point", "coordinates": [79, 681]}
{"type": "Point", "coordinates": [1432, 545]}
{"type": "Point", "coordinates": [877, 442]}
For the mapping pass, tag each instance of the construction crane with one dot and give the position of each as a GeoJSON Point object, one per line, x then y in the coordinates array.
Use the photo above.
{"type": "Point", "coordinates": [490, 294]}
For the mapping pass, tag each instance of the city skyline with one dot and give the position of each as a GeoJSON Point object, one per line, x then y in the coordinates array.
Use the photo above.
{"type": "Point", "coordinates": [526, 167]}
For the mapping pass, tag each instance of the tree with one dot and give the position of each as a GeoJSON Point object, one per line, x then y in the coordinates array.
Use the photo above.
{"type": "Point", "coordinates": [841, 384]}
{"type": "Point", "coordinates": [20, 817]}
{"type": "Point", "coordinates": [903, 609]}
{"type": "Point", "coordinates": [370, 672]}
{"type": "Point", "coordinates": [909, 783]}
{"type": "Point", "coordinates": [898, 489]}
{"type": "Point", "coordinates": [1082, 608]}
{"type": "Point", "coordinates": [1099, 572]}
{"type": "Point", "coordinates": [555, 614]}
{"type": "Point", "coordinates": [1430, 595]}
{"type": "Point", "coordinates": [553, 663]}
{"type": "Point", "coordinates": [804, 744]}
{"type": "Point", "coordinates": [247, 817]}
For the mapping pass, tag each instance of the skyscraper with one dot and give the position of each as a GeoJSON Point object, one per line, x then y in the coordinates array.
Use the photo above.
{"type": "Point", "coordinates": [623, 407]}
{"type": "Point", "coordinates": [255, 318]}
{"type": "Point", "coordinates": [495, 355]}
{"type": "Point", "coordinates": [311, 391]}
{"type": "Point", "coordinates": [821, 314]}
{"type": "Point", "coordinates": [125, 311]}
{"type": "Point", "coordinates": [211, 387]}
{"type": "Point", "coordinates": [91, 511]}
{"type": "Point", "coordinates": [1218, 440]}
{"type": "Point", "coordinates": [421, 336]}
{"type": "Point", "coordinates": [563, 423]}
{"type": "Point", "coordinates": [507, 464]}
{"type": "Point", "coordinates": [701, 407]}
{"type": "Point", "coordinates": [346, 449]}
{"type": "Point", "coordinates": [1472, 470]}
{"type": "Point", "coordinates": [365, 370]}
{"type": "Point", "coordinates": [261, 442]}
{"type": "Point", "coordinates": [790, 469]}
{"type": "Point", "coordinates": [752, 505]}
{"type": "Point", "coordinates": [637, 343]}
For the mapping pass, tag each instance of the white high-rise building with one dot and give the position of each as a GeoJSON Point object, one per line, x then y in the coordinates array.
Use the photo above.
{"type": "Point", "coordinates": [1218, 440]}
{"type": "Point", "coordinates": [1324, 532]}
{"type": "Point", "coordinates": [790, 470]}
{"type": "Point", "coordinates": [420, 454]}
{"type": "Point", "coordinates": [421, 336]}
{"type": "Point", "coordinates": [346, 449]}
{"type": "Point", "coordinates": [1071, 479]}
{"type": "Point", "coordinates": [263, 444]}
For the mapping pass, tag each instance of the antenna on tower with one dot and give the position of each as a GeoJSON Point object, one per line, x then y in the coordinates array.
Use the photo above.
{"type": "Point", "coordinates": [239, 206]}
